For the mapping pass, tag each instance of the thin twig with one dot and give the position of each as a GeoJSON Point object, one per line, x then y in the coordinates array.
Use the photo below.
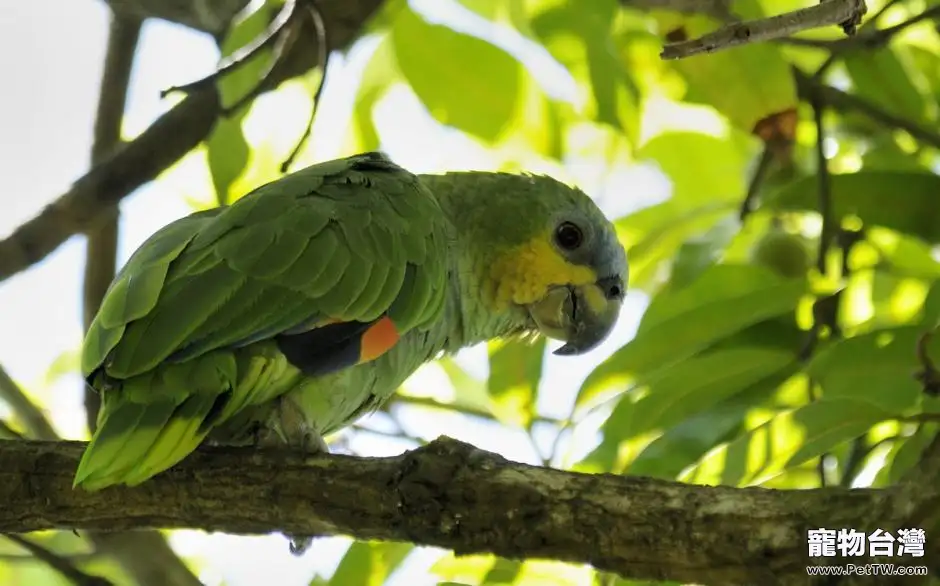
{"type": "Point", "coordinates": [165, 142]}
{"type": "Point", "coordinates": [58, 563]}
{"type": "Point", "coordinates": [928, 375]}
{"type": "Point", "coordinates": [867, 39]}
{"type": "Point", "coordinates": [319, 25]}
{"type": "Point", "coordinates": [207, 16]}
{"type": "Point", "coordinates": [824, 185]}
{"type": "Point", "coordinates": [837, 99]}
{"type": "Point", "coordinates": [462, 409]}
{"type": "Point", "coordinates": [876, 38]}
{"type": "Point", "coordinates": [398, 435]}
{"type": "Point", "coordinates": [101, 250]}
{"type": "Point", "coordinates": [846, 13]}
{"type": "Point", "coordinates": [36, 424]}
{"type": "Point", "coordinates": [559, 434]}
{"type": "Point", "coordinates": [243, 55]}
{"type": "Point", "coordinates": [858, 452]}
{"type": "Point", "coordinates": [9, 432]}
{"type": "Point", "coordinates": [26, 558]}
{"type": "Point", "coordinates": [757, 181]}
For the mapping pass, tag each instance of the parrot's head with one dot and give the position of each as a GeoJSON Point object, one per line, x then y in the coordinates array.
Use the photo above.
{"type": "Point", "coordinates": [577, 270]}
{"type": "Point", "coordinates": [549, 259]}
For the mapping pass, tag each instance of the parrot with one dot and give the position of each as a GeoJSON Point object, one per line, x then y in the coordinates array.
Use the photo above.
{"type": "Point", "coordinates": [303, 305]}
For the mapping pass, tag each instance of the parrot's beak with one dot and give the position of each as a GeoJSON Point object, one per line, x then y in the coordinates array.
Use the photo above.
{"type": "Point", "coordinates": [581, 316]}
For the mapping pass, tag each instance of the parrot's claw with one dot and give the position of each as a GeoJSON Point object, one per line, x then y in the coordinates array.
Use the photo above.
{"type": "Point", "coordinates": [299, 544]}
{"type": "Point", "coordinates": [288, 426]}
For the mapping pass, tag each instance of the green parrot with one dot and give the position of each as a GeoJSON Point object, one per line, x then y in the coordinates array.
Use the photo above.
{"type": "Point", "coordinates": [305, 304]}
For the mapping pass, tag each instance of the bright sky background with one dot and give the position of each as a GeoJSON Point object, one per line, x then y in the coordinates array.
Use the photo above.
{"type": "Point", "coordinates": [52, 67]}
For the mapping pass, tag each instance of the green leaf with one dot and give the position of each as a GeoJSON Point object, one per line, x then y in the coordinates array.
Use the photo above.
{"type": "Point", "coordinates": [235, 84]}
{"type": "Point", "coordinates": [786, 441]}
{"type": "Point", "coordinates": [877, 367]}
{"type": "Point", "coordinates": [910, 452]}
{"type": "Point", "coordinates": [579, 36]}
{"type": "Point", "coordinates": [699, 253]}
{"type": "Point", "coordinates": [930, 316]}
{"type": "Point", "coordinates": [369, 563]}
{"type": "Point", "coordinates": [226, 148]}
{"type": "Point", "coordinates": [883, 76]}
{"type": "Point", "coordinates": [227, 153]}
{"type": "Point", "coordinates": [471, 392]}
{"type": "Point", "coordinates": [720, 176]}
{"type": "Point", "coordinates": [927, 63]}
{"type": "Point", "coordinates": [698, 383]}
{"type": "Point", "coordinates": [488, 9]}
{"type": "Point", "coordinates": [688, 442]}
{"type": "Point", "coordinates": [746, 84]}
{"type": "Point", "coordinates": [463, 81]}
{"type": "Point", "coordinates": [658, 231]}
{"type": "Point", "coordinates": [899, 200]}
{"type": "Point", "coordinates": [905, 256]}
{"type": "Point", "coordinates": [503, 572]}
{"type": "Point", "coordinates": [885, 154]}
{"type": "Point", "coordinates": [515, 371]}
{"type": "Point", "coordinates": [377, 77]}
{"type": "Point", "coordinates": [465, 568]}
{"type": "Point", "coordinates": [68, 362]}
{"type": "Point", "coordinates": [724, 300]}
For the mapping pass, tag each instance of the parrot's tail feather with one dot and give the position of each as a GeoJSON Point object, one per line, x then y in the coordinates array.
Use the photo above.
{"type": "Point", "coordinates": [124, 433]}
{"type": "Point", "coordinates": [135, 441]}
{"type": "Point", "coordinates": [176, 440]}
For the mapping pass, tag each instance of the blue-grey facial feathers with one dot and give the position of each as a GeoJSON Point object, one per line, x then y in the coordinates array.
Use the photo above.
{"type": "Point", "coordinates": [608, 258]}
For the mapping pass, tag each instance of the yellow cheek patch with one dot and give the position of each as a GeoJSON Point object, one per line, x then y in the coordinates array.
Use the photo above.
{"type": "Point", "coordinates": [524, 274]}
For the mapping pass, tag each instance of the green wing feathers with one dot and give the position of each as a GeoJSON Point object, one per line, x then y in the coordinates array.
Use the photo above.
{"type": "Point", "coordinates": [184, 337]}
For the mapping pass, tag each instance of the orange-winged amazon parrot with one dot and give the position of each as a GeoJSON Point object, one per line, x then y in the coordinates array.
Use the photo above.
{"type": "Point", "coordinates": [305, 304]}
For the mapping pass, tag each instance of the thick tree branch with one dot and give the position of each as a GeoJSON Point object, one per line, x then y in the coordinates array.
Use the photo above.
{"type": "Point", "coordinates": [166, 141]}
{"type": "Point", "coordinates": [144, 554]}
{"type": "Point", "coordinates": [453, 495]}
{"type": "Point", "coordinates": [211, 16]}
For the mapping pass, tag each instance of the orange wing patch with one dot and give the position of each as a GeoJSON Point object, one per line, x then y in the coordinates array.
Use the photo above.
{"type": "Point", "coordinates": [378, 339]}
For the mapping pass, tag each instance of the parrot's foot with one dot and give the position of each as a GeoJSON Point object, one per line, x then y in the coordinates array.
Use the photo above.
{"type": "Point", "coordinates": [288, 426]}
{"type": "Point", "coordinates": [299, 544]}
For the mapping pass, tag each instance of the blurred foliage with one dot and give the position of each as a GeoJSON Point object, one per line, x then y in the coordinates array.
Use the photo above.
{"type": "Point", "coordinates": [732, 377]}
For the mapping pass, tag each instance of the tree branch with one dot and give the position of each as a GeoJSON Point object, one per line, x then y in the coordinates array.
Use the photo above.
{"type": "Point", "coordinates": [211, 16]}
{"type": "Point", "coordinates": [843, 102]}
{"type": "Point", "coordinates": [58, 563]}
{"type": "Point", "coordinates": [101, 248]}
{"type": "Point", "coordinates": [846, 13]}
{"type": "Point", "coordinates": [452, 495]}
{"type": "Point", "coordinates": [145, 555]}
{"type": "Point", "coordinates": [166, 141]}
{"type": "Point", "coordinates": [32, 417]}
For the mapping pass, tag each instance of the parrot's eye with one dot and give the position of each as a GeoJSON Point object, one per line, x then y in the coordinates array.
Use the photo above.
{"type": "Point", "coordinates": [568, 236]}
